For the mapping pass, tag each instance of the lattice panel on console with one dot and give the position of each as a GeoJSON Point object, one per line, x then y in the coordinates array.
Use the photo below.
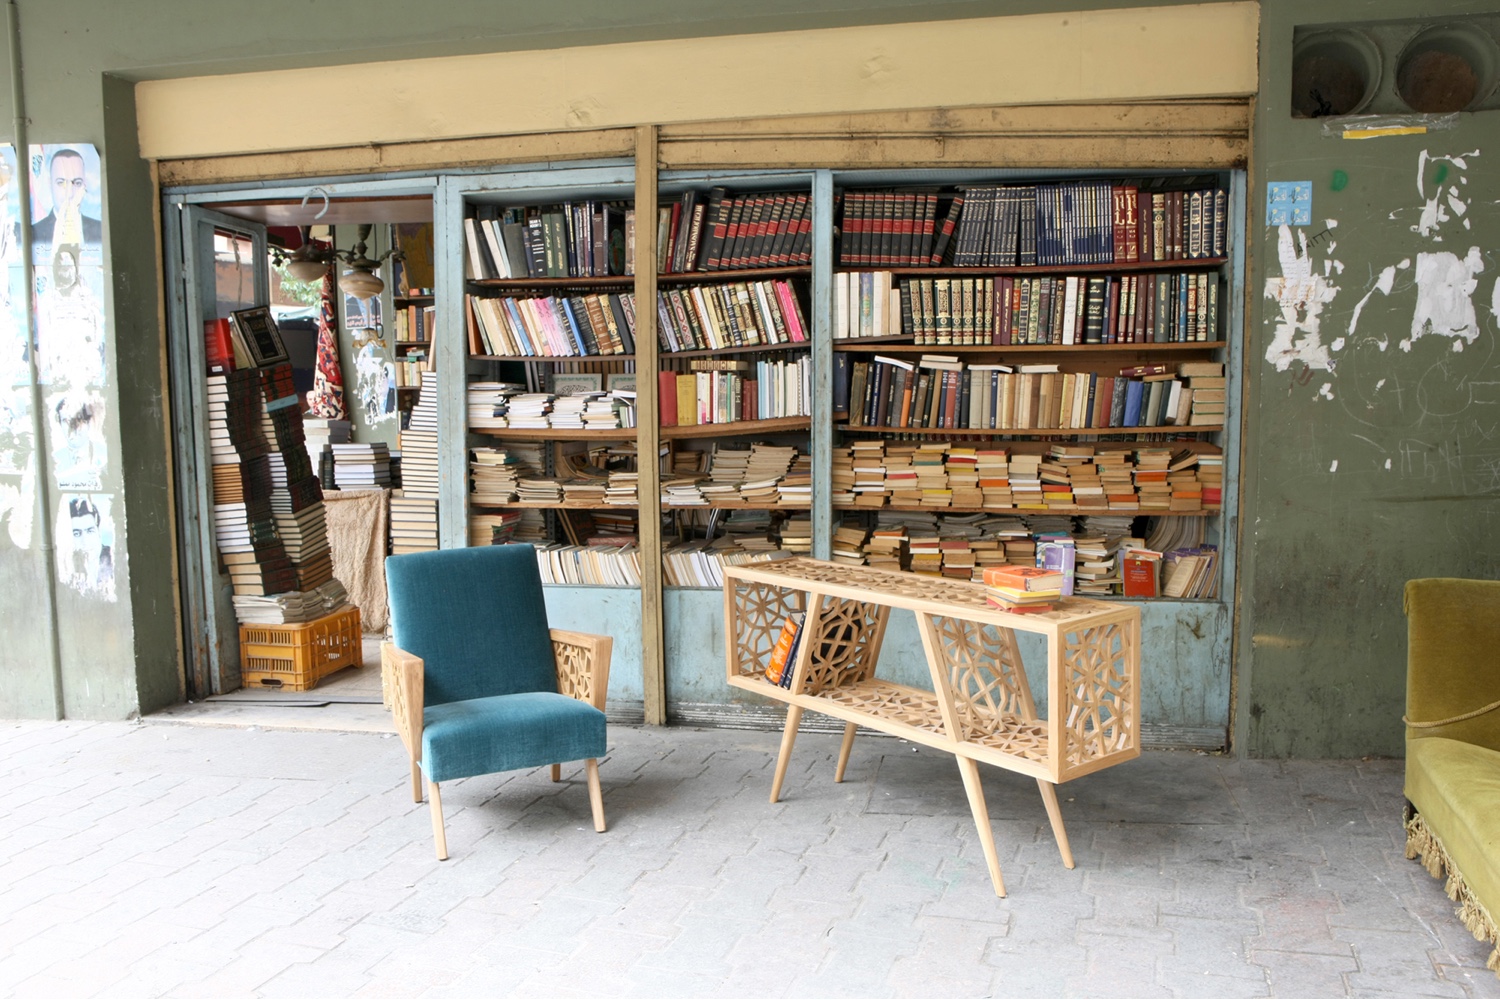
{"type": "Point", "coordinates": [1100, 696]}
{"type": "Point", "coordinates": [893, 702]}
{"type": "Point", "coordinates": [760, 610]}
{"type": "Point", "coordinates": [984, 674]}
{"type": "Point", "coordinates": [846, 648]}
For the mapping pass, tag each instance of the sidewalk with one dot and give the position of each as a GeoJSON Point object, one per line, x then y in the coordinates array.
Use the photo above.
{"type": "Point", "coordinates": [169, 860]}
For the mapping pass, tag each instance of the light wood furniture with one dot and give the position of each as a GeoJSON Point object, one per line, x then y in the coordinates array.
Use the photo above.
{"type": "Point", "coordinates": [980, 708]}
{"type": "Point", "coordinates": [582, 673]}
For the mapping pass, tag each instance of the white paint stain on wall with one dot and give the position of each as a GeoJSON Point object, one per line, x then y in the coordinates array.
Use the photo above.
{"type": "Point", "coordinates": [1444, 198]}
{"type": "Point", "coordinates": [1445, 297]}
{"type": "Point", "coordinates": [1301, 295]}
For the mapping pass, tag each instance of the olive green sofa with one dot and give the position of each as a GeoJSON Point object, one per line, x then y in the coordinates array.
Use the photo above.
{"type": "Point", "coordinates": [1453, 744]}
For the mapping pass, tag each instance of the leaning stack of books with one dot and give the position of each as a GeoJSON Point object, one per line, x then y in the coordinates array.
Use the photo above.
{"type": "Point", "coordinates": [1023, 589]}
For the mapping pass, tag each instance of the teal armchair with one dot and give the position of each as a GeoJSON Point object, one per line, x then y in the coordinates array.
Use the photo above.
{"type": "Point", "coordinates": [476, 680]}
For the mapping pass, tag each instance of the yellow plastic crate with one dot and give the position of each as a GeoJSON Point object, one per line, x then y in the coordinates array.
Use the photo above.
{"type": "Point", "coordinates": [296, 657]}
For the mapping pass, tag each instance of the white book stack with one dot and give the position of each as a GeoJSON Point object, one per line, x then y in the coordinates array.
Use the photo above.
{"type": "Point", "coordinates": [419, 445]}
{"type": "Point", "coordinates": [361, 466]}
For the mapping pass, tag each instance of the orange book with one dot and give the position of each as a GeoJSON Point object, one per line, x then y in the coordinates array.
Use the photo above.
{"type": "Point", "coordinates": [1023, 578]}
{"type": "Point", "coordinates": [781, 654]}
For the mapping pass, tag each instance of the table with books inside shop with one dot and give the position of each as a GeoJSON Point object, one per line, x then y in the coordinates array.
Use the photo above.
{"type": "Point", "coordinates": [980, 707]}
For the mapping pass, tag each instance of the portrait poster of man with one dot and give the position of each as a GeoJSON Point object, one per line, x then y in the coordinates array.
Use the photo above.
{"type": "Point", "coordinates": [85, 536]}
{"type": "Point", "coordinates": [65, 205]}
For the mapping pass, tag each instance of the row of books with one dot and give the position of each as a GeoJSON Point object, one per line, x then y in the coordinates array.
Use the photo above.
{"type": "Point", "coordinates": [555, 326]}
{"type": "Point", "coordinates": [1011, 225]}
{"type": "Point", "coordinates": [414, 324]}
{"type": "Point", "coordinates": [719, 391]}
{"type": "Point", "coordinates": [1065, 479]}
{"type": "Point", "coordinates": [736, 314]}
{"type": "Point", "coordinates": [940, 391]}
{"type": "Point", "coordinates": [725, 232]}
{"type": "Point", "coordinates": [1063, 310]}
{"type": "Point", "coordinates": [572, 240]}
{"type": "Point", "coordinates": [410, 366]}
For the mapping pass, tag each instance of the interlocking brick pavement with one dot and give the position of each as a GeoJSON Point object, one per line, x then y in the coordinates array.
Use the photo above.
{"type": "Point", "coordinates": [168, 860]}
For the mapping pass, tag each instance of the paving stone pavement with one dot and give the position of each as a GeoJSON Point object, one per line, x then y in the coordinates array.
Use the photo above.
{"type": "Point", "coordinates": [179, 861]}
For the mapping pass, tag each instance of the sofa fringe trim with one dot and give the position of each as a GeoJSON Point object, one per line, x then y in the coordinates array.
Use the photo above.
{"type": "Point", "coordinates": [1423, 845]}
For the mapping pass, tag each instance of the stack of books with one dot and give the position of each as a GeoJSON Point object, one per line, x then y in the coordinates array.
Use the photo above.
{"type": "Point", "coordinates": [361, 466]}
{"type": "Point", "coordinates": [414, 526]}
{"type": "Point", "coordinates": [1023, 589]}
{"type": "Point", "coordinates": [319, 433]}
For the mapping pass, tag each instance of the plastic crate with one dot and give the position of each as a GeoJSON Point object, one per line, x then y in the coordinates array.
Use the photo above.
{"type": "Point", "coordinates": [296, 657]}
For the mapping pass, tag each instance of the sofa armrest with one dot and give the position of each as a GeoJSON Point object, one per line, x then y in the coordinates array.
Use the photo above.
{"type": "Point", "coordinates": [1453, 635]}
{"type": "Point", "coordinates": [402, 674]}
{"type": "Point", "coordinates": [582, 665]}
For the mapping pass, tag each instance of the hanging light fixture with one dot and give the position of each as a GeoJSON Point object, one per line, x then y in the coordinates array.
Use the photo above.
{"type": "Point", "coordinates": [311, 260]}
{"type": "Point", "coordinates": [359, 278]}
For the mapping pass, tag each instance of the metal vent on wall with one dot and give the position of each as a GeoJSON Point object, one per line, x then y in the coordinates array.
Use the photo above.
{"type": "Point", "coordinates": [1428, 66]}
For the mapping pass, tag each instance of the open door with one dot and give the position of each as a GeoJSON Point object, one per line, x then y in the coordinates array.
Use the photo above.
{"type": "Point", "coordinates": [215, 265]}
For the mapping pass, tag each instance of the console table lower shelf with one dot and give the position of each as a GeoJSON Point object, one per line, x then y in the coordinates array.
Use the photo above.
{"type": "Point", "coordinates": [980, 708]}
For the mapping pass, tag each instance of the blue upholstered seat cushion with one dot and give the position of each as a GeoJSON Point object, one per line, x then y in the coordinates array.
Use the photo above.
{"type": "Point", "coordinates": [505, 732]}
{"type": "Point", "coordinates": [476, 618]}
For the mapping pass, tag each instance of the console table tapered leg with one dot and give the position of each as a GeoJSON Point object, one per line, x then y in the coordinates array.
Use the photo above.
{"type": "Point", "coordinates": [1054, 813]}
{"type": "Point", "coordinates": [849, 728]}
{"type": "Point", "coordinates": [970, 771]}
{"type": "Point", "coordinates": [788, 737]}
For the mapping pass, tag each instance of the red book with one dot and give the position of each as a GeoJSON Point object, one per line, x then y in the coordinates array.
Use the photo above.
{"type": "Point", "coordinates": [667, 398]}
{"type": "Point", "coordinates": [220, 348]}
{"type": "Point", "coordinates": [1112, 313]}
{"type": "Point", "coordinates": [1138, 571]}
{"type": "Point", "coordinates": [1104, 395]}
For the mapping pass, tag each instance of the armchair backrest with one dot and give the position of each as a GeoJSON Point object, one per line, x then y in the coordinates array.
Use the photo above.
{"type": "Point", "coordinates": [476, 618]}
{"type": "Point", "coordinates": [1453, 657]}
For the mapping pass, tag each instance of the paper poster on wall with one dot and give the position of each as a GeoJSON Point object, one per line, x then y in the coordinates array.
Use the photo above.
{"type": "Point", "coordinates": [67, 254]}
{"type": "Point", "coordinates": [78, 444]}
{"type": "Point", "coordinates": [17, 478]}
{"type": "Point", "coordinates": [85, 537]}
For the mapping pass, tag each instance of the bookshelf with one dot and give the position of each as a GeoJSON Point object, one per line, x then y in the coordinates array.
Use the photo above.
{"type": "Point", "coordinates": [666, 603]}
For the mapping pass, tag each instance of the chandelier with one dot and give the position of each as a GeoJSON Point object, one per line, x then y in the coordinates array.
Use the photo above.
{"type": "Point", "coordinates": [311, 260]}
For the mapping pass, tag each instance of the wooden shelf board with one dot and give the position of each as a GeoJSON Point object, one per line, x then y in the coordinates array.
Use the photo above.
{"type": "Point", "coordinates": [551, 359]}
{"type": "Point", "coordinates": [746, 349]}
{"type": "Point", "coordinates": [904, 346]}
{"type": "Point", "coordinates": [739, 427]}
{"type": "Point", "coordinates": [1103, 511]}
{"type": "Point", "coordinates": [738, 274]}
{"type": "Point", "coordinates": [527, 284]}
{"type": "Point", "coordinates": [1030, 431]}
{"type": "Point", "coordinates": [413, 298]}
{"type": "Point", "coordinates": [1123, 267]}
{"type": "Point", "coordinates": [557, 433]}
{"type": "Point", "coordinates": [553, 505]}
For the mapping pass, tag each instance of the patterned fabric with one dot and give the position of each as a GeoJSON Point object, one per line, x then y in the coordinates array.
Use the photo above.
{"type": "Point", "coordinates": [327, 397]}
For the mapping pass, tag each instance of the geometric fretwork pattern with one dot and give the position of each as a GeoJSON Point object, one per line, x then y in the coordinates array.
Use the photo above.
{"type": "Point", "coordinates": [841, 655]}
{"type": "Point", "coordinates": [990, 696]}
{"type": "Point", "coordinates": [575, 670]}
{"type": "Point", "coordinates": [907, 584]}
{"type": "Point", "coordinates": [883, 700]}
{"type": "Point", "coordinates": [760, 611]}
{"type": "Point", "coordinates": [1100, 700]}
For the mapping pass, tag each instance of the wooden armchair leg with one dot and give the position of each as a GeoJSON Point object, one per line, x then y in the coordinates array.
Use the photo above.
{"type": "Point", "coordinates": [437, 821]}
{"type": "Point", "coordinates": [556, 772]}
{"type": "Point", "coordinates": [596, 797]}
{"type": "Point", "coordinates": [416, 781]}
{"type": "Point", "coordinates": [848, 745]}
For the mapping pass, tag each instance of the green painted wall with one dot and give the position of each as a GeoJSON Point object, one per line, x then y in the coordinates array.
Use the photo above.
{"type": "Point", "coordinates": [1386, 467]}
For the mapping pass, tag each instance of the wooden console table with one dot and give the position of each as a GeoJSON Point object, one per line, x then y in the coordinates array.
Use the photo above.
{"type": "Point", "coordinates": [980, 707]}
